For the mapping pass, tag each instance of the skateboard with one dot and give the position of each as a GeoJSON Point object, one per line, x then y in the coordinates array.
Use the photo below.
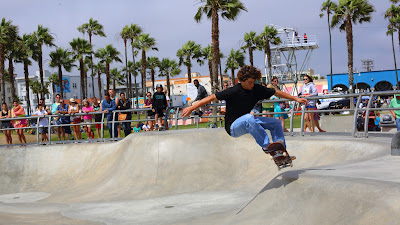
{"type": "Point", "coordinates": [281, 157]}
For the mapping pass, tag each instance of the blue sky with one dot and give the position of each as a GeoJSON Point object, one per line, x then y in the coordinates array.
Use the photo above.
{"type": "Point", "coordinates": [171, 23]}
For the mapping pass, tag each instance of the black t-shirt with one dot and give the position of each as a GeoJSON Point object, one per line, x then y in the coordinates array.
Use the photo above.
{"type": "Point", "coordinates": [159, 100]}
{"type": "Point", "coordinates": [240, 102]}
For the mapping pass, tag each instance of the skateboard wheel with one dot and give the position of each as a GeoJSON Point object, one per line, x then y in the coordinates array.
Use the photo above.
{"type": "Point", "coordinates": [285, 154]}
{"type": "Point", "coordinates": [291, 164]}
{"type": "Point", "coordinates": [271, 157]}
{"type": "Point", "coordinates": [279, 169]}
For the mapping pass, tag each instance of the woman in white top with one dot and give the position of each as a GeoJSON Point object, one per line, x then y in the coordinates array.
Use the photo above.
{"type": "Point", "coordinates": [74, 108]}
{"type": "Point", "coordinates": [309, 90]}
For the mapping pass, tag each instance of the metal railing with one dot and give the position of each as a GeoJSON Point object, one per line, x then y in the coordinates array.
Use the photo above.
{"type": "Point", "coordinates": [195, 119]}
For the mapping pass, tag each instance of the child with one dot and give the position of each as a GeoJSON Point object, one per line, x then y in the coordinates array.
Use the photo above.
{"type": "Point", "coordinates": [137, 128]}
{"type": "Point", "coordinates": [159, 104]}
{"type": "Point", "coordinates": [378, 120]}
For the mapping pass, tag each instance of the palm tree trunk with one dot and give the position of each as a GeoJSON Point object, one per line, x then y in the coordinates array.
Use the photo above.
{"type": "Point", "coordinates": [60, 81]}
{"type": "Point", "coordinates": [40, 62]}
{"type": "Point", "coordinates": [114, 87]}
{"type": "Point", "coordinates": [330, 47]}
{"type": "Point", "coordinates": [189, 70]}
{"type": "Point", "coordinates": [99, 84]}
{"type": "Point", "coordinates": [11, 75]}
{"type": "Point", "coordinates": [268, 51]}
{"type": "Point", "coordinates": [395, 63]}
{"type": "Point", "coordinates": [126, 70]}
{"type": "Point", "coordinates": [134, 70]}
{"type": "Point", "coordinates": [91, 65]}
{"type": "Point", "coordinates": [28, 99]}
{"type": "Point", "coordinates": [108, 76]}
{"type": "Point", "coordinates": [211, 76]}
{"type": "Point", "coordinates": [349, 37]}
{"type": "Point", "coordinates": [220, 74]}
{"type": "Point", "coordinates": [94, 95]}
{"type": "Point", "coordinates": [251, 55]}
{"type": "Point", "coordinates": [137, 97]}
{"type": "Point", "coordinates": [153, 79]}
{"type": "Point", "coordinates": [143, 73]}
{"type": "Point", "coordinates": [168, 84]}
{"type": "Point", "coordinates": [215, 49]}
{"type": "Point", "coordinates": [2, 80]}
{"type": "Point", "coordinates": [233, 76]}
{"type": "Point", "coordinates": [82, 70]}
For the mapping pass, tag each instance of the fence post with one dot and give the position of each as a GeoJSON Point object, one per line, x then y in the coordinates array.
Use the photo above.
{"type": "Point", "coordinates": [303, 109]}
{"type": "Point", "coordinates": [291, 118]}
{"type": "Point", "coordinates": [197, 122]}
{"type": "Point", "coordinates": [176, 118]}
{"type": "Point", "coordinates": [367, 116]}
{"type": "Point", "coordinates": [49, 129]}
{"type": "Point", "coordinates": [37, 130]}
{"type": "Point", "coordinates": [355, 116]}
{"type": "Point", "coordinates": [102, 127]}
{"type": "Point", "coordinates": [112, 126]}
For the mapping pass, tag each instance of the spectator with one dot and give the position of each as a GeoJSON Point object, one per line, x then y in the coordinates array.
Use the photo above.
{"type": "Point", "coordinates": [63, 109]}
{"type": "Point", "coordinates": [18, 111]}
{"type": "Point", "coordinates": [146, 127]}
{"type": "Point", "coordinates": [125, 104]}
{"type": "Point", "coordinates": [43, 122]}
{"type": "Point", "coordinates": [5, 113]}
{"type": "Point", "coordinates": [201, 93]}
{"type": "Point", "coordinates": [377, 120]}
{"type": "Point", "coordinates": [278, 106]}
{"type": "Point", "coordinates": [159, 104]}
{"type": "Point", "coordinates": [108, 106]}
{"type": "Point", "coordinates": [395, 103]}
{"type": "Point", "coordinates": [296, 35]}
{"type": "Point", "coordinates": [57, 120]}
{"type": "Point", "coordinates": [309, 90]}
{"type": "Point", "coordinates": [97, 117]}
{"type": "Point", "coordinates": [116, 100]}
{"type": "Point", "coordinates": [74, 108]}
{"type": "Point", "coordinates": [371, 121]}
{"type": "Point", "coordinates": [137, 128]}
{"type": "Point", "coordinates": [167, 111]}
{"type": "Point", "coordinates": [305, 38]}
{"type": "Point", "coordinates": [86, 108]}
{"type": "Point", "coordinates": [150, 114]}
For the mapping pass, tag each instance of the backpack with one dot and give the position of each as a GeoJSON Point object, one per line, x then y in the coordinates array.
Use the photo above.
{"type": "Point", "coordinates": [360, 123]}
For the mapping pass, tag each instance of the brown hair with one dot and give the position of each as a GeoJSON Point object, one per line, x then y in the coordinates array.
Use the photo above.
{"type": "Point", "coordinates": [309, 78]}
{"type": "Point", "coordinates": [247, 72]}
{"type": "Point", "coordinates": [274, 78]}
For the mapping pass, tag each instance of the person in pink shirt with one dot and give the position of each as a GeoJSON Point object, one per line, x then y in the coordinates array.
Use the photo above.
{"type": "Point", "coordinates": [87, 118]}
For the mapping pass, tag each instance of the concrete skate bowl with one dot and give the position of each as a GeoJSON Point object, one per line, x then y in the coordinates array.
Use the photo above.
{"type": "Point", "coordinates": [195, 177]}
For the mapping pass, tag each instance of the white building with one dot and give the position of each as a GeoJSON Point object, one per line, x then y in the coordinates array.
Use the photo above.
{"type": "Point", "coordinates": [72, 89]}
{"type": "Point", "coordinates": [9, 98]}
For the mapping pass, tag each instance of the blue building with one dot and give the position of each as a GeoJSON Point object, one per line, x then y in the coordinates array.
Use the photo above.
{"type": "Point", "coordinates": [378, 80]}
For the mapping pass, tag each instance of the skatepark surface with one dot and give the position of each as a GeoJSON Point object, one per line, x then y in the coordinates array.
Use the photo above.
{"type": "Point", "coordinates": [200, 177]}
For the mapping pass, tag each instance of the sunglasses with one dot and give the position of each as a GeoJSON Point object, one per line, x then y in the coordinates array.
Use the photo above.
{"type": "Point", "coordinates": [305, 79]}
{"type": "Point", "coordinates": [148, 95]}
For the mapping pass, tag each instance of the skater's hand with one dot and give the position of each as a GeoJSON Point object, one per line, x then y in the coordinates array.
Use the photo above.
{"type": "Point", "coordinates": [302, 101]}
{"type": "Point", "coordinates": [186, 111]}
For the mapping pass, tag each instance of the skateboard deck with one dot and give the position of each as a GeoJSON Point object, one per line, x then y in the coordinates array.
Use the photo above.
{"type": "Point", "coordinates": [281, 157]}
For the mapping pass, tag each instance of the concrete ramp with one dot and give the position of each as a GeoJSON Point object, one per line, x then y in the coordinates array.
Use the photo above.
{"type": "Point", "coordinates": [200, 177]}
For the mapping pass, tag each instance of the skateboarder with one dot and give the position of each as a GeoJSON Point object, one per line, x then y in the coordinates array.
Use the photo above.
{"type": "Point", "coordinates": [240, 99]}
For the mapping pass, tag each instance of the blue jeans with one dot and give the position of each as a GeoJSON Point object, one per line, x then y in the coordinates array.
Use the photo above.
{"type": "Point", "coordinates": [256, 127]}
{"type": "Point", "coordinates": [398, 124]}
{"type": "Point", "coordinates": [109, 124]}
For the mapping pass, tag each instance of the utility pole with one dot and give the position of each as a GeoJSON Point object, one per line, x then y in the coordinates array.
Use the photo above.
{"type": "Point", "coordinates": [368, 64]}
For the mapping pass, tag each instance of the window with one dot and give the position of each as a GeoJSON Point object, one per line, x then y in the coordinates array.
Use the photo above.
{"type": "Point", "coordinates": [90, 85]}
{"type": "Point", "coordinates": [8, 90]}
{"type": "Point", "coordinates": [9, 99]}
{"type": "Point", "coordinates": [74, 85]}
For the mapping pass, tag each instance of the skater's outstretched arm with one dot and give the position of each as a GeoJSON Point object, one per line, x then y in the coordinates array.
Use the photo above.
{"type": "Point", "coordinates": [187, 111]}
{"type": "Point", "coordinates": [282, 94]}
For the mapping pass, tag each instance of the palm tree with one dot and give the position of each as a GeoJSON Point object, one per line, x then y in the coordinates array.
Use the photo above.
{"type": "Point", "coordinates": [392, 13]}
{"type": "Point", "coordinates": [189, 51]}
{"type": "Point", "coordinates": [54, 79]}
{"type": "Point", "coordinates": [26, 48]}
{"type": "Point", "coordinates": [329, 8]}
{"type": "Point", "coordinates": [235, 61]}
{"type": "Point", "coordinates": [267, 38]}
{"type": "Point", "coordinates": [81, 47]}
{"type": "Point", "coordinates": [152, 63]}
{"type": "Point", "coordinates": [43, 37]}
{"type": "Point", "coordinates": [134, 33]}
{"type": "Point", "coordinates": [11, 51]}
{"type": "Point", "coordinates": [138, 69]}
{"type": "Point", "coordinates": [61, 58]}
{"type": "Point", "coordinates": [117, 77]}
{"type": "Point", "coordinates": [108, 55]}
{"type": "Point", "coordinates": [207, 56]}
{"type": "Point", "coordinates": [92, 28]}
{"type": "Point", "coordinates": [4, 36]}
{"type": "Point", "coordinates": [347, 13]}
{"type": "Point", "coordinates": [124, 34]}
{"type": "Point", "coordinates": [99, 68]}
{"type": "Point", "coordinates": [251, 42]}
{"type": "Point", "coordinates": [229, 9]}
{"type": "Point", "coordinates": [169, 68]}
{"type": "Point", "coordinates": [36, 88]}
{"type": "Point", "coordinates": [145, 43]}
